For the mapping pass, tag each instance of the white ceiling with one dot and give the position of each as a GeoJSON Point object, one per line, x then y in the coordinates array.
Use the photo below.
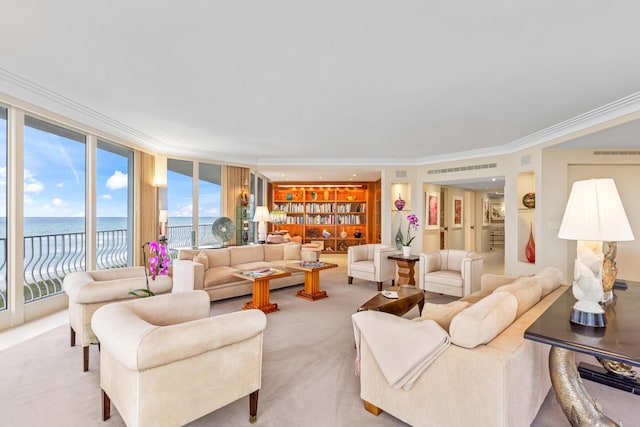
{"type": "Point", "coordinates": [296, 86]}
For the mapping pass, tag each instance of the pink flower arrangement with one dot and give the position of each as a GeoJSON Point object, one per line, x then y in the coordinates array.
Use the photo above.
{"type": "Point", "coordinates": [414, 223]}
{"type": "Point", "coordinates": [158, 260]}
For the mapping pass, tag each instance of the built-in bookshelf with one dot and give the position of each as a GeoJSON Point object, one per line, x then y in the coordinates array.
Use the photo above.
{"type": "Point", "coordinates": [334, 215]}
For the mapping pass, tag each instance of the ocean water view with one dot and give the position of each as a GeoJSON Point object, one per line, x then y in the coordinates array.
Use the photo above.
{"type": "Point", "coordinates": [42, 226]}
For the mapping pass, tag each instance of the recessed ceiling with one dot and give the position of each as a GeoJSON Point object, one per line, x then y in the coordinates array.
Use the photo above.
{"type": "Point", "coordinates": [282, 86]}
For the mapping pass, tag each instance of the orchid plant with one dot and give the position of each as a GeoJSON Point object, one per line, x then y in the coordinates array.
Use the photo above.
{"type": "Point", "coordinates": [414, 223]}
{"type": "Point", "coordinates": [158, 266]}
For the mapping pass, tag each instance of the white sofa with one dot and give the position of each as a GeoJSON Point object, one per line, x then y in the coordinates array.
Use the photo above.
{"type": "Point", "coordinates": [370, 262]}
{"type": "Point", "coordinates": [450, 271]}
{"type": "Point", "coordinates": [489, 375]}
{"type": "Point", "coordinates": [212, 269]}
{"type": "Point", "coordinates": [165, 362]}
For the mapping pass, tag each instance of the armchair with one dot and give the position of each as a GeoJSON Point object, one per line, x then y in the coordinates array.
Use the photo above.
{"type": "Point", "coordinates": [450, 271]}
{"type": "Point", "coordinates": [90, 290]}
{"type": "Point", "coordinates": [370, 262]}
{"type": "Point", "coordinates": [165, 362]}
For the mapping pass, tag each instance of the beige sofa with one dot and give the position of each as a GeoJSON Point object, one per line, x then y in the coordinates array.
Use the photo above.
{"type": "Point", "coordinates": [489, 375]}
{"type": "Point", "coordinates": [212, 269]}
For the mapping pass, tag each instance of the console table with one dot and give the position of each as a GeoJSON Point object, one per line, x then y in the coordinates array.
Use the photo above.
{"type": "Point", "coordinates": [618, 342]}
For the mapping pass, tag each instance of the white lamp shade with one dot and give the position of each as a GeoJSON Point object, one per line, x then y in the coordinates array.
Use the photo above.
{"type": "Point", "coordinates": [261, 214]}
{"type": "Point", "coordinates": [595, 212]}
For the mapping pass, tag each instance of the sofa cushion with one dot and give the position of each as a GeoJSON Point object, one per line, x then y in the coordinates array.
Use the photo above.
{"type": "Point", "coordinates": [485, 319]}
{"type": "Point", "coordinates": [273, 252]}
{"type": "Point", "coordinates": [219, 257]}
{"type": "Point", "coordinates": [292, 251]}
{"type": "Point", "coordinates": [364, 266]}
{"type": "Point", "coordinates": [550, 278]}
{"type": "Point", "coordinates": [527, 291]}
{"type": "Point", "coordinates": [445, 277]}
{"type": "Point", "coordinates": [219, 276]}
{"type": "Point", "coordinates": [475, 297]}
{"type": "Point", "coordinates": [443, 313]}
{"type": "Point", "coordinates": [246, 254]}
{"type": "Point", "coordinates": [203, 259]}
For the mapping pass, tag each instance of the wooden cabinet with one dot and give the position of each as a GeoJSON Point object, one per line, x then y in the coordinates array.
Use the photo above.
{"type": "Point", "coordinates": [334, 215]}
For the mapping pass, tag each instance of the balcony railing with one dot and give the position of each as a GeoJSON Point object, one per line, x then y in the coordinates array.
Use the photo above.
{"type": "Point", "coordinates": [49, 258]}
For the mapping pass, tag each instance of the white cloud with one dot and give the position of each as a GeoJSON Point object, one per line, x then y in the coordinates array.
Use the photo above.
{"type": "Point", "coordinates": [27, 200]}
{"type": "Point", "coordinates": [58, 202]}
{"type": "Point", "coordinates": [60, 184]}
{"type": "Point", "coordinates": [3, 171]}
{"type": "Point", "coordinates": [117, 181]}
{"type": "Point", "coordinates": [31, 185]}
{"type": "Point", "coordinates": [185, 210]}
{"type": "Point", "coordinates": [107, 196]}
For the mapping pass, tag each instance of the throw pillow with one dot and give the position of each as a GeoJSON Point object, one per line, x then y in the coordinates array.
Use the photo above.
{"type": "Point", "coordinates": [526, 290]}
{"type": "Point", "coordinates": [550, 278]}
{"type": "Point", "coordinates": [203, 259]}
{"type": "Point", "coordinates": [484, 320]}
{"type": "Point", "coordinates": [443, 313]}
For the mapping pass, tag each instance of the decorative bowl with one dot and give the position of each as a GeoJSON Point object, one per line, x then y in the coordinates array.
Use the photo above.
{"type": "Point", "coordinates": [351, 198]}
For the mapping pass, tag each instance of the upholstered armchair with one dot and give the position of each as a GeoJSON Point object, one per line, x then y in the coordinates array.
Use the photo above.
{"type": "Point", "coordinates": [90, 290]}
{"type": "Point", "coordinates": [165, 362]}
{"type": "Point", "coordinates": [371, 262]}
{"type": "Point", "coordinates": [450, 271]}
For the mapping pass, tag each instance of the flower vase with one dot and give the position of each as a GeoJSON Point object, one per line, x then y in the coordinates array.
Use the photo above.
{"type": "Point", "coordinates": [530, 249]}
{"type": "Point", "coordinates": [406, 250]}
{"type": "Point", "coordinates": [343, 233]}
{"type": "Point", "coordinates": [399, 202]}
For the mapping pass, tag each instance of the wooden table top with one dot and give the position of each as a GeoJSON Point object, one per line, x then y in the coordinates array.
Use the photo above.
{"type": "Point", "coordinates": [618, 340]}
{"type": "Point", "coordinates": [312, 266]}
{"type": "Point", "coordinates": [247, 275]}
{"type": "Point", "coordinates": [400, 257]}
{"type": "Point", "coordinates": [408, 297]}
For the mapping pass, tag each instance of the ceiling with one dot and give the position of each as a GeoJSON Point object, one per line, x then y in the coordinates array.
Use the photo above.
{"type": "Point", "coordinates": [326, 88]}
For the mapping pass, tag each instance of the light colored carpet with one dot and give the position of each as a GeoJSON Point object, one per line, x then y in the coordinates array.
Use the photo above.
{"type": "Point", "coordinates": [308, 372]}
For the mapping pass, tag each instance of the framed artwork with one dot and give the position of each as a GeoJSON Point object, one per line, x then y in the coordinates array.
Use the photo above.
{"type": "Point", "coordinates": [457, 212]}
{"type": "Point", "coordinates": [433, 211]}
{"type": "Point", "coordinates": [485, 211]}
{"type": "Point", "coordinates": [496, 212]}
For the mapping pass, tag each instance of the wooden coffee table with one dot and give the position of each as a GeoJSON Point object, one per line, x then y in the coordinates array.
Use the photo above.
{"type": "Point", "coordinates": [408, 297]}
{"type": "Point", "coordinates": [311, 270]}
{"type": "Point", "coordinates": [260, 291]}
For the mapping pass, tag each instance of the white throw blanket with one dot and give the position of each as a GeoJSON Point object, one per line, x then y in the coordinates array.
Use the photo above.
{"type": "Point", "coordinates": [402, 348]}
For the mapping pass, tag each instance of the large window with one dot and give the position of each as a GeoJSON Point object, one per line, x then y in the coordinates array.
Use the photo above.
{"type": "Point", "coordinates": [208, 200]}
{"type": "Point", "coordinates": [180, 203]}
{"type": "Point", "coordinates": [3, 208]}
{"type": "Point", "coordinates": [54, 206]}
{"type": "Point", "coordinates": [114, 206]}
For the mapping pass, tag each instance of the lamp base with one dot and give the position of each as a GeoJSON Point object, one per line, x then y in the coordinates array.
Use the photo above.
{"type": "Point", "coordinates": [597, 320]}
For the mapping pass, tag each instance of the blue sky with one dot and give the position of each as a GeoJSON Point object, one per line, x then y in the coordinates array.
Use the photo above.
{"type": "Point", "coordinates": [54, 180]}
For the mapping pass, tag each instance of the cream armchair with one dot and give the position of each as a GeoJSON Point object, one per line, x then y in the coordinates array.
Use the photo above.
{"type": "Point", "coordinates": [370, 262]}
{"type": "Point", "coordinates": [165, 362]}
{"type": "Point", "coordinates": [450, 271]}
{"type": "Point", "coordinates": [90, 290]}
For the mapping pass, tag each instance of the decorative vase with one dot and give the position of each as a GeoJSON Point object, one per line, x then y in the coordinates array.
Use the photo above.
{"type": "Point", "coordinates": [289, 196]}
{"type": "Point", "coordinates": [314, 195]}
{"type": "Point", "coordinates": [343, 234]}
{"type": "Point", "coordinates": [357, 234]}
{"type": "Point", "coordinates": [326, 233]}
{"type": "Point", "coordinates": [406, 250]}
{"type": "Point", "coordinates": [326, 194]}
{"type": "Point", "coordinates": [530, 249]}
{"type": "Point", "coordinates": [399, 202]}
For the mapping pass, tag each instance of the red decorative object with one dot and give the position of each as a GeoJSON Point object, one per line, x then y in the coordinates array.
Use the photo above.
{"type": "Point", "coordinates": [530, 250]}
{"type": "Point", "coordinates": [400, 202]}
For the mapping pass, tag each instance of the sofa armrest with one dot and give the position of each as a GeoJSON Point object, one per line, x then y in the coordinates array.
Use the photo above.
{"type": "Point", "coordinates": [187, 275]}
{"type": "Point", "coordinates": [386, 268]}
{"type": "Point", "coordinates": [471, 271]}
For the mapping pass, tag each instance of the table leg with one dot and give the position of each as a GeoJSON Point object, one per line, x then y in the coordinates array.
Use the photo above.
{"type": "Point", "coordinates": [406, 272]}
{"type": "Point", "coordinates": [311, 289]}
{"type": "Point", "coordinates": [260, 297]}
{"type": "Point", "coordinates": [579, 408]}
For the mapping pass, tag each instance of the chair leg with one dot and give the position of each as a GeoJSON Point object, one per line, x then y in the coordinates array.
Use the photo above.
{"type": "Point", "coordinates": [350, 280]}
{"type": "Point", "coordinates": [106, 406]}
{"type": "Point", "coordinates": [393, 282]}
{"type": "Point", "coordinates": [85, 358]}
{"type": "Point", "coordinates": [253, 407]}
{"type": "Point", "coordinates": [72, 336]}
{"type": "Point", "coordinates": [379, 286]}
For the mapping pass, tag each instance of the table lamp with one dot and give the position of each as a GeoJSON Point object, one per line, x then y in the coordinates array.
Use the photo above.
{"type": "Point", "coordinates": [278, 217]}
{"type": "Point", "coordinates": [261, 216]}
{"type": "Point", "coordinates": [594, 214]}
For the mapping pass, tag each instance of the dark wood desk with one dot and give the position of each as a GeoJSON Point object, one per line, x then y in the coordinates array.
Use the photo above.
{"type": "Point", "coordinates": [406, 268]}
{"type": "Point", "coordinates": [618, 341]}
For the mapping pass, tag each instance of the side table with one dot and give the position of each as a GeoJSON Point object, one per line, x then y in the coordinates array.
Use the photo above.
{"type": "Point", "coordinates": [406, 268]}
{"type": "Point", "coordinates": [311, 291]}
